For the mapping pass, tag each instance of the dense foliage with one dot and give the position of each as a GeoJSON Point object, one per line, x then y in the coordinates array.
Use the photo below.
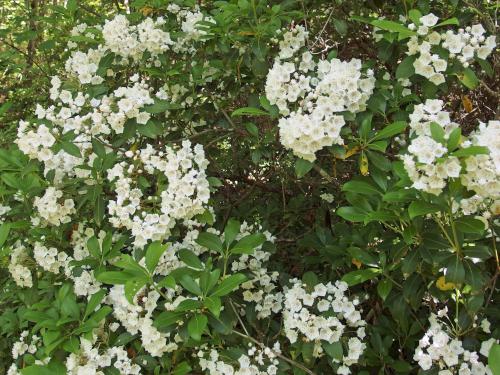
{"type": "Point", "coordinates": [249, 187]}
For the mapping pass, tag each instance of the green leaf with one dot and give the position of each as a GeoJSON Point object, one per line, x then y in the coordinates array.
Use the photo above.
{"type": "Point", "coordinates": [153, 254]}
{"type": "Point", "coordinates": [360, 276]}
{"type": "Point", "coordinates": [182, 368]}
{"type": "Point", "coordinates": [334, 350]}
{"type": "Point", "coordinates": [470, 225]}
{"type": "Point", "coordinates": [167, 282]}
{"type": "Point", "coordinates": [168, 318]}
{"type": "Point", "coordinates": [384, 287]}
{"type": "Point", "coordinates": [210, 241]}
{"type": "Point", "coordinates": [252, 129]}
{"type": "Point", "coordinates": [449, 21]}
{"type": "Point", "coordinates": [310, 279]}
{"type": "Point", "coordinates": [190, 285]}
{"type": "Point", "coordinates": [249, 111]}
{"type": "Point", "coordinates": [437, 132]}
{"type": "Point", "coordinates": [228, 285]}
{"type": "Point", "coordinates": [131, 265]}
{"type": "Point", "coordinates": [93, 302]}
{"type": "Point", "coordinates": [494, 359]}
{"type": "Point", "coordinates": [190, 259]}
{"type": "Point", "coordinates": [406, 69]}
{"type": "Point", "coordinates": [454, 139]}
{"type": "Point", "coordinates": [114, 277]}
{"type": "Point", "coordinates": [455, 270]}
{"type": "Point", "coordinates": [420, 208]}
{"type": "Point", "coordinates": [470, 151]}
{"type": "Point", "coordinates": [350, 213]}
{"type": "Point", "coordinates": [4, 233]}
{"type": "Point", "coordinates": [189, 305]}
{"type": "Point", "coordinates": [469, 79]}
{"type": "Point", "coordinates": [402, 30]}
{"type": "Point", "coordinates": [302, 167]}
{"type": "Point", "coordinates": [390, 130]}
{"type": "Point", "coordinates": [151, 129]}
{"type": "Point", "coordinates": [71, 149]}
{"type": "Point", "coordinates": [248, 243]}
{"type": "Point", "coordinates": [159, 106]}
{"type": "Point", "coordinates": [231, 230]}
{"type": "Point", "coordinates": [340, 26]}
{"type": "Point", "coordinates": [213, 304]}
{"type": "Point", "coordinates": [362, 255]}
{"type": "Point", "coordinates": [98, 148]}
{"type": "Point", "coordinates": [361, 187]}
{"type": "Point", "coordinates": [197, 325]}
{"type": "Point", "coordinates": [5, 107]}
{"type": "Point", "coordinates": [415, 16]}
{"type": "Point", "coordinates": [132, 287]}
{"type": "Point", "coordinates": [94, 247]}
{"type": "Point", "coordinates": [71, 6]}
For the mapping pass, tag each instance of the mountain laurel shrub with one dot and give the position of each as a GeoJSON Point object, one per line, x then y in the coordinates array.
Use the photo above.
{"type": "Point", "coordinates": [258, 187]}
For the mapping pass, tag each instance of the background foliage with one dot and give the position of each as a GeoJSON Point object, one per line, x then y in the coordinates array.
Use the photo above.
{"type": "Point", "coordinates": [391, 244]}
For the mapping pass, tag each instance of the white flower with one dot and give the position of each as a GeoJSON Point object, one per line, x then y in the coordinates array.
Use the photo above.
{"type": "Point", "coordinates": [429, 20]}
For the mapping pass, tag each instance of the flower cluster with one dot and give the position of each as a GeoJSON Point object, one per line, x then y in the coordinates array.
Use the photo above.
{"type": "Point", "coordinates": [424, 163]}
{"type": "Point", "coordinates": [436, 349]}
{"type": "Point", "coordinates": [311, 95]}
{"type": "Point", "coordinates": [185, 195]}
{"type": "Point", "coordinates": [324, 314]}
{"type": "Point", "coordinates": [462, 46]}
{"type": "Point", "coordinates": [17, 268]}
{"type": "Point", "coordinates": [50, 210]}
{"type": "Point", "coordinates": [261, 288]}
{"type": "Point", "coordinates": [257, 361]}
{"type": "Point", "coordinates": [88, 360]}
{"type": "Point", "coordinates": [50, 259]}
{"type": "Point", "coordinates": [21, 347]}
{"type": "Point", "coordinates": [137, 318]}
{"type": "Point", "coordinates": [124, 40]}
{"type": "Point", "coordinates": [482, 172]}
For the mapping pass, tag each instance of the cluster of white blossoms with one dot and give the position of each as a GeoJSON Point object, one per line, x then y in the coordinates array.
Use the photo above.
{"type": "Point", "coordinates": [22, 346]}
{"type": "Point", "coordinates": [3, 211]}
{"type": "Point", "coordinates": [462, 46]}
{"type": "Point", "coordinates": [261, 286]}
{"type": "Point", "coordinates": [89, 361]}
{"type": "Point", "coordinates": [17, 268]}
{"type": "Point", "coordinates": [313, 95]}
{"type": "Point", "coordinates": [436, 349]}
{"type": "Point", "coordinates": [425, 114]}
{"type": "Point", "coordinates": [85, 283]}
{"type": "Point", "coordinates": [137, 318]}
{"type": "Point", "coordinates": [324, 313]}
{"type": "Point", "coordinates": [129, 42]}
{"type": "Point", "coordinates": [482, 172]}
{"type": "Point", "coordinates": [189, 27]}
{"type": "Point", "coordinates": [38, 141]}
{"type": "Point", "coordinates": [185, 195]}
{"type": "Point", "coordinates": [430, 166]}
{"type": "Point", "coordinates": [50, 259]}
{"type": "Point", "coordinates": [51, 210]}
{"type": "Point", "coordinates": [257, 361]}
{"type": "Point", "coordinates": [292, 42]}
{"type": "Point", "coordinates": [424, 163]}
